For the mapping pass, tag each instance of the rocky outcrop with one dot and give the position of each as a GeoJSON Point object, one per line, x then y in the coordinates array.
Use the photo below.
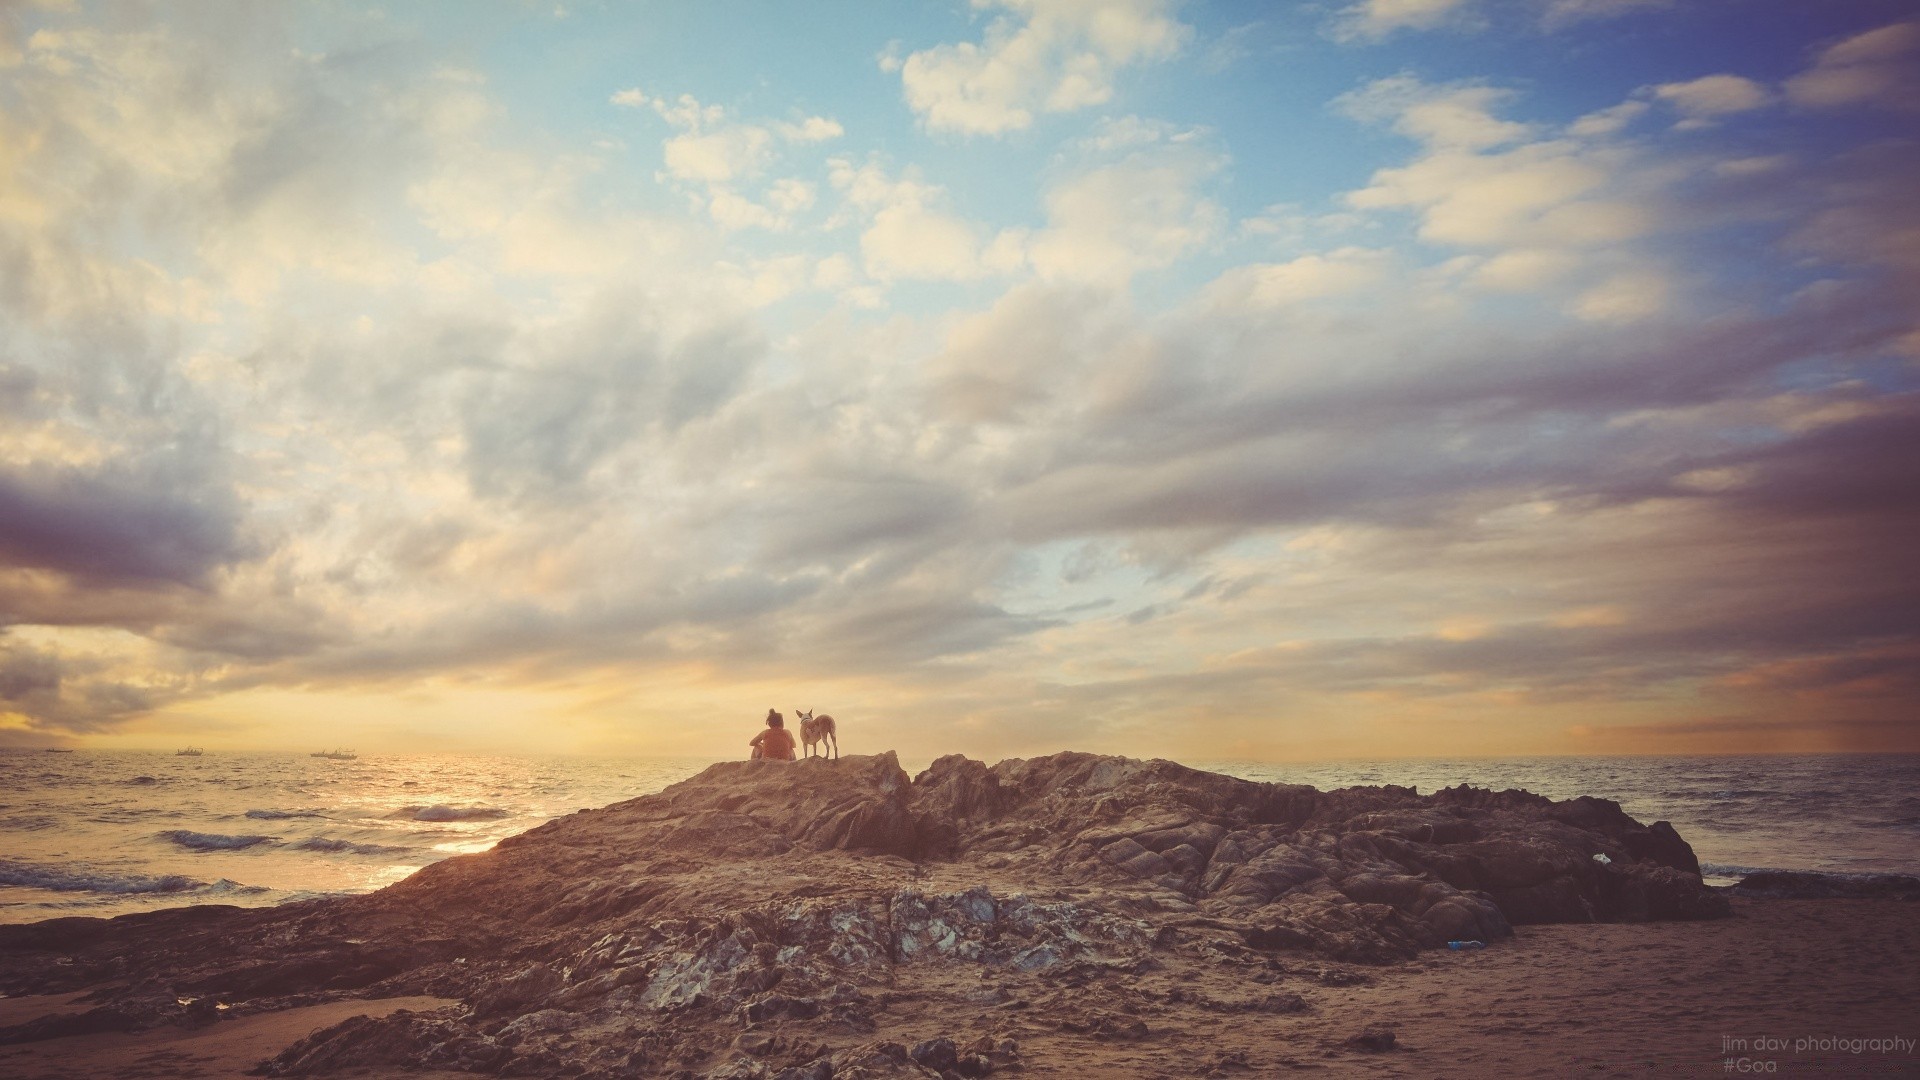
{"type": "Point", "coordinates": [767, 919]}
{"type": "Point", "coordinates": [1803, 885]}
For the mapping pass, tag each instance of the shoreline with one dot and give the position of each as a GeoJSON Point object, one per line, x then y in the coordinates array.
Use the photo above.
{"type": "Point", "coordinates": [1594, 999]}
{"type": "Point", "coordinates": [1068, 916]}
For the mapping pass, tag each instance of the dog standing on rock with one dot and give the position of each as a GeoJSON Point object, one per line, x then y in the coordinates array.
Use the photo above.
{"type": "Point", "coordinates": [821, 730]}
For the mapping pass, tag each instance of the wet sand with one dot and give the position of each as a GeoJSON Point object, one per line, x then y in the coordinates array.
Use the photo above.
{"type": "Point", "coordinates": [227, 1049]}
{"type": "Point", "coordinates": [1554, 1001]}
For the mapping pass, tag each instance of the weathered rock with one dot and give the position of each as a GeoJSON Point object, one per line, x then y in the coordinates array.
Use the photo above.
{"type": "Point", "coordinates": [763, 919]}
{"type": "Point", "coordinates": [1375, 1039]}
{"type": "Point", "coordinates": [1795, 885]}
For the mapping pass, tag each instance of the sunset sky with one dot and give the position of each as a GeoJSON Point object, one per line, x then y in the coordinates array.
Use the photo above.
{"type": "Point", "coordinates": [1251, 380]}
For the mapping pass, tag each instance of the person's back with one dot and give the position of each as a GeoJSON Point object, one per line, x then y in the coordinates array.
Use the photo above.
{"type": "Point", "coordinates": [775, 743]}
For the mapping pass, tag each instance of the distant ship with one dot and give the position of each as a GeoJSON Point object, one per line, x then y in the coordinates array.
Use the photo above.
{"type": "Point", "coordinates": [59, 750]}
{"type": "Point", "coordinates": [191, 751]}
{"type": "Point", "coordinates": [335, 755]}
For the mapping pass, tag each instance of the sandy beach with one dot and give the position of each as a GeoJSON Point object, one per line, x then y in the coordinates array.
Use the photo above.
{"type": "Point", "coordinates": [1598, 1000]}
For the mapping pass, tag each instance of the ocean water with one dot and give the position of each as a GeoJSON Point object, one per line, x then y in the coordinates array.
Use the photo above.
{"type": "Point", "coordinates": [106, 833]}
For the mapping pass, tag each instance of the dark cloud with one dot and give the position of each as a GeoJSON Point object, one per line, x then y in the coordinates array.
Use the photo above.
{"type": "Point", "coordinates": [66, 694]}
{"type": "Point", "coordinates": [151, 523]}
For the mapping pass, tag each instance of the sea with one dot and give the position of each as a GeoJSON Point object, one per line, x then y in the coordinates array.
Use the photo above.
{"type": "Point", "coordinates": [111, 832]}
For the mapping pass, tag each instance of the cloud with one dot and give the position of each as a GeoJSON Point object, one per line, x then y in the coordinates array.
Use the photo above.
{"type": "Point", "coordinates": [324, 382]}
{"type": "Point", "coordinates": [711, 149]}
{"type": "Point", "coordinates": [1341, 272]}
{"type": "Point", "coordinates": [1046, 56]}
{"type": "Point", "coordinates": [1457, 117]}
{"type": "Point", "coordinates": [1371, 21]}
{"type": "Point", "coordinates": [720, 156]}
{"type": "Point", "coordinates": [1873, 68]}
{"type": "Point", "coordinates": [910, 234]}
{"type": "Point", "coordinates": [812, 129]}
{"type": "Point", "coordinates": [1114, 219]}
{"type": "Point", "coordinates": [1709, 97]}
{"type": "Point", "coordinates": [153, 522]}
{"type": "Point", "coordinates": [1374, 19]}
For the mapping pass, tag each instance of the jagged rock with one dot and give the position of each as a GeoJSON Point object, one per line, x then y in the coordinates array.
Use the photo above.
{"type": "Point", "coordinates": [705, 929]}
{"type": "Point", "coordinates": [1797, 885]}
{"type": "Point", "coordinates": [1374, 1039]}
{"type": "Point", "coordinates": [935, 1054]}
{"type": "Point", "coordinates": [401, 1039]}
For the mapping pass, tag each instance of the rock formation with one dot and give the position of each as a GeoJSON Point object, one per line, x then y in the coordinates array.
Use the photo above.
{"type": "Point", "coordinates": [815, 920]}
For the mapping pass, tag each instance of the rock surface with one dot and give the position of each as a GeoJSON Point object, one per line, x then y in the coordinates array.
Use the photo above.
{"type": "Point", "coordinates": [1803, 885]}
{"type": "Point", "coordinates": [816, 920]}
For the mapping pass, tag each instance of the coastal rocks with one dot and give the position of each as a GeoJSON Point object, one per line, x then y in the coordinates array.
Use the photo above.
{"type": "Point", "coordinates": [1373, 1039]}
{"type": "Point", "coordinates": [833, 920]}
{"type": "Point", "coordinates": [1798, 885]}
{"type": "Point", "coordinates": [405, 1039]}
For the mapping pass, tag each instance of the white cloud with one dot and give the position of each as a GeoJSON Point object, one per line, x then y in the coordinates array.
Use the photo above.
{"type": "Point", "coordinates": [909, 233]}
{"type": "Point", "coordinates": [1626, 297]}
{"type": "Point", "coordinates": [834, 272]}
{"type": "Point", "coordinates": [710, 150]}
{"type": "Point", "coordinates": [1457, 116]}
{"type": "Point", "coordinates": [1880, 67]}
{"type": "Point", "coordinates": [733, 211]}
{"type": "Point", "coordinates": [813, 129]}
{"type": "Point", "coordinates": [1371, 20]}
{"type": "Point", "coordinates": [912, 241]}
{"type": "Point", "coordinates": [1608, 121]}
{"type": "Point", "coordinates": [1470, 192]}
{"type": "Point", "coordinates": [1046, 55]}
{"type": "Point", "coordinates": [720, 156]}
{"type": "Point", "coordinates": [791, 195]}
{"type": "Point", "coordinates": [1145, 210]}
{"type": "Point", "coordinates": [1341, 272]}
{"type": "Point", "coordinates": [1521, 270]}
{"type": "Point", "coordinates": [1711, 96]}
{"type": "Point", "coordinates": [1110, 223]}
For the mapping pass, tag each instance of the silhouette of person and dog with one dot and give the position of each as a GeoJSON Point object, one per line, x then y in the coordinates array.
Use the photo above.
{"type": "Point", "coordinates": [776, 742]}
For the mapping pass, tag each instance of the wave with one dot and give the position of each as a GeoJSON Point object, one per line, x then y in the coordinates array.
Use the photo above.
{"type": "Point", "coordinates": [280, 815]}
{"type": "Point", "coordinates": [54, 879]}
{"type": "Point", "coordinates": [328, 844]}
{"type": "Point", "coordinates": [439, 812]}
{"type": "Point", "coordinates": [199, 841]}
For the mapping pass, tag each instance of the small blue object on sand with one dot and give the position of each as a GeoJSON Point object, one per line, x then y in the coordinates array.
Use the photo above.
{"type": "Point", "coordinates": [1456, 946]}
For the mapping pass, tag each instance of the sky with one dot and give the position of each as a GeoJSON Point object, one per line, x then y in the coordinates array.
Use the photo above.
{"type": "Point", "coordinates": [1259, 380]}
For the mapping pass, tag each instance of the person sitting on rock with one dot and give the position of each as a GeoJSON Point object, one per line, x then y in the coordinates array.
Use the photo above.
{"type": "Point", "coordinates": [775, 743]}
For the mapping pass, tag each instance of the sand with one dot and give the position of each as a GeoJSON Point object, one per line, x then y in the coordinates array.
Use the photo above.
{"type": "Point", "coordinates": [1554, 1001]}
{"type": "Point", "coordinates": [227, 1049]}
